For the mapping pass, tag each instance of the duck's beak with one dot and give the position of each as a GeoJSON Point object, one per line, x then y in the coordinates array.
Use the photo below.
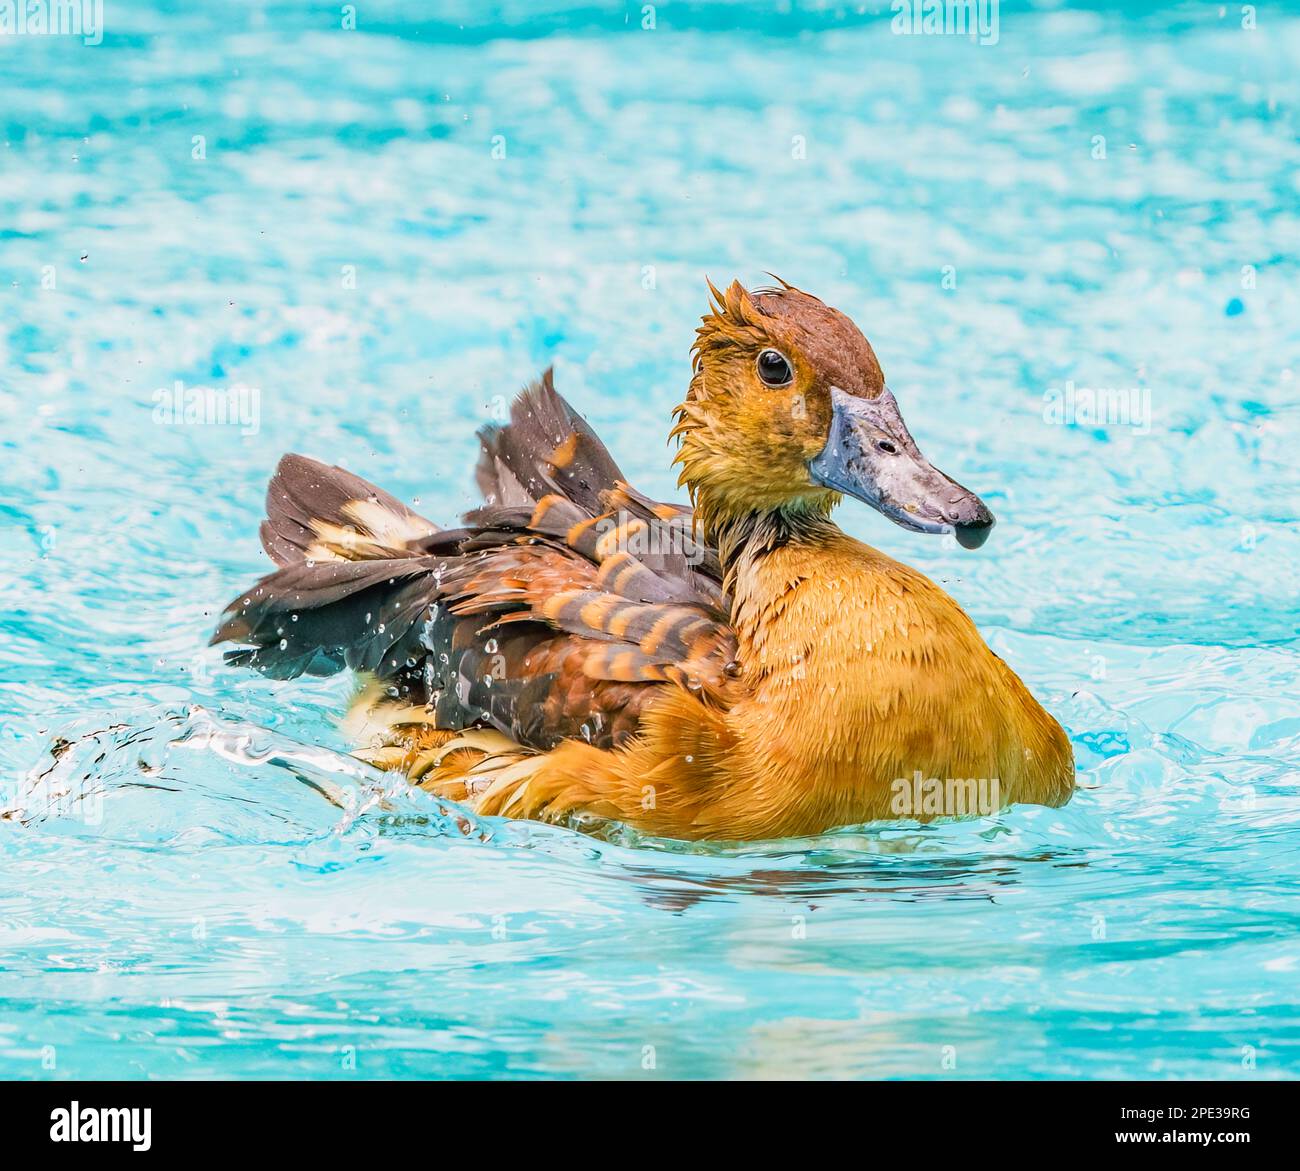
{"type": "Point", "coordinates": [871, 455]}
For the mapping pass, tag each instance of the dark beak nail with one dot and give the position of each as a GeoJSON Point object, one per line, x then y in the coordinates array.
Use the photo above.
{"type": "Point", "coordinates": [974, 534]}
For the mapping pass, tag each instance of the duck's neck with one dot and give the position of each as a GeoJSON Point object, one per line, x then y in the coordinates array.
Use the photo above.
{"type": "Point", "coordinates": [742, 538]}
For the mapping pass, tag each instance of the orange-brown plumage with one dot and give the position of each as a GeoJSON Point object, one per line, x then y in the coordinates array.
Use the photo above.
{"type": "Point", "coordinates": [744, 670]}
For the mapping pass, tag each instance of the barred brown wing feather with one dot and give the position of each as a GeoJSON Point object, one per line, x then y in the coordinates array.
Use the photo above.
{"type": "Point", "coordinates": [550, 614]}
{"type": "Point", "coordinates": [547, 447]}
{"type": "Point", "coordinates": [316, 619]}
{"type": "Point", "coordinates": [315, 512]}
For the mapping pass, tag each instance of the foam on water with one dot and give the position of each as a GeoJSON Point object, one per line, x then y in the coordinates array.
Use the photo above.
{"type": "Point", "coordinates": [196, 880]}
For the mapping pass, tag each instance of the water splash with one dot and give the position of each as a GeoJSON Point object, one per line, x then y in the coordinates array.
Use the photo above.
{"type": "Point", "coordinates": [153, 776]}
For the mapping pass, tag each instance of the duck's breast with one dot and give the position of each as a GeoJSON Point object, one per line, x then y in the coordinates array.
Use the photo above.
{"type": "Point", "coordinates": [864, 674]}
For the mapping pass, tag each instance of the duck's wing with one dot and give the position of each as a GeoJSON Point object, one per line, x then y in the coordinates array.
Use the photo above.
{"type": "Point", "coordinates": [553, 612]}
{"type": "Point", "coordinates": [547, 451]}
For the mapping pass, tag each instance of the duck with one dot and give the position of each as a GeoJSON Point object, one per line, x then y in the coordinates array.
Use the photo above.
{"type": "Point", "coordinates": [733, 669]}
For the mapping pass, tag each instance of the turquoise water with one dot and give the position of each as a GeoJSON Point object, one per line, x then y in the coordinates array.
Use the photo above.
{"type": "Point", "coordinates": [253, 197]}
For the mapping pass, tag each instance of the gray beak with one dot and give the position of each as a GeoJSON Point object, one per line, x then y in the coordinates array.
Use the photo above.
{"type": "Point", "coordinates": [871, 456]}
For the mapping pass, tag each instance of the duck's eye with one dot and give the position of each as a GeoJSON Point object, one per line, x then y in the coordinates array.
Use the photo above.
{"type": "Point", "coordinates": [885, 446]}
{"type": "Point", "coordinates": [774, 368]}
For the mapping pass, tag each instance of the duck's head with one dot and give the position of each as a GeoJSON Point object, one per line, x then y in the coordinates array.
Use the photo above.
{"type": "Point", "coordinates": [788, 409]}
